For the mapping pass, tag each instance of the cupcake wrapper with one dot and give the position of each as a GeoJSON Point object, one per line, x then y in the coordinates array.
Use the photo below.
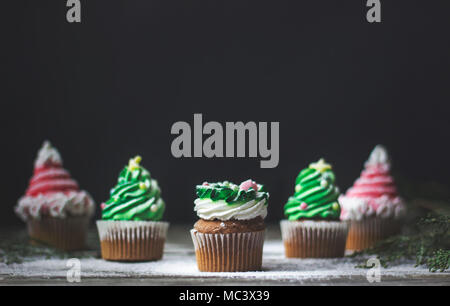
{"type": "Point", "coordinates": [132, 240]}
{"type": "Point", "coordinates": [67, 234]}
{"type": "Point", "coordinates": [231, 252]}
{"type": "Point", "coordinates": [314, 239]}
{"type": "Point", "coordinates": [365, 233]}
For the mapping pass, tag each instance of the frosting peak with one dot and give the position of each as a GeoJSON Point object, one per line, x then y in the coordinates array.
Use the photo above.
{"type": "Point", "coordinates": [48, 155]}
{"type": "Point", "coordinates": [52, 191]}
{"type": "Point", "coordinates": [136, 196]}
{"type": "Point", "coordinates": [315, 196]}
{"type": "Point", "coordinates": [379, 156]}
{"type": "Point", "coordinates": [374, 193]}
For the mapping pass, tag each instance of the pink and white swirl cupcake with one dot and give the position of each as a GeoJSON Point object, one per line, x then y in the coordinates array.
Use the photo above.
{"type": "Point", "coordinates": [56, 211]}
{"type": "Point", "coordinates": [372, 205]}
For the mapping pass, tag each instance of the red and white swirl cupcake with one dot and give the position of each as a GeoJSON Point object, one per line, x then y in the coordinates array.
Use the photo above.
{"type": "Point", "coordinates": [56, 211]}
{"type": "Point", "coordinates": [372, 205]}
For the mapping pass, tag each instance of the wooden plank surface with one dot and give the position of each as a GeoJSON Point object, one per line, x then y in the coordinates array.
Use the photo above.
{"type": "Point", "coordinates": [178, 267]}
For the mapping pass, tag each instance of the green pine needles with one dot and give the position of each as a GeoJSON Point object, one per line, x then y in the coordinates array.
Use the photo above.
{"type": "Point", "coordinates": [428, 244]}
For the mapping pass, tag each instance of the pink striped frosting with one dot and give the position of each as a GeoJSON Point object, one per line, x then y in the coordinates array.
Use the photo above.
{"type": "Point", "coordinates": [52, 191]}
{"type": "Point", "coordinates": [374, 193]}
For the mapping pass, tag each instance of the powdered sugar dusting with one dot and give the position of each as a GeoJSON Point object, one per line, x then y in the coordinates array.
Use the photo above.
{"type": "Point", "coordinates": [179, 263]}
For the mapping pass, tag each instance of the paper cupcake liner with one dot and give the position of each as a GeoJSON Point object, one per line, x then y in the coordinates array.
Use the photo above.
{"type": "Point", "coordinates": [314, 239]}
{"type": "Point", "coordinates": [132, 240]}
{"type": "Point", "coordinates": [67, 234]}
{"type": "Point", "coordinates": [365, 233]}
{"type": "Point", "coordinates": [231, 252]}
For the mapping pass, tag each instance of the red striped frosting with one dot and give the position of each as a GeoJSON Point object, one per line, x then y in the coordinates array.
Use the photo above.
{"type": "Point", "coordinates": [50, 179]}
{"type": "Point", "coordinates": [52, 191]}
{"type": "Point", "coordinates": [375, 181]}
{"type": "Point", "coordinates": [374, 193]}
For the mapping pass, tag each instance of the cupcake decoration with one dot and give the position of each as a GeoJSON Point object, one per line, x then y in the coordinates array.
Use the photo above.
{"type": "Point", "coordinates": [372, 205]}
{"type": "Point", "coordinates": [54, 207]}
{"type": "Point", "coordinates": [136, 196]}
{"type": "Point", "coordinates": [316, 195]}
{"type": "Point", "coordinates": [130, 229]}
{"type": "Point", "coordinates": [313, 228]}
{"type": "Point", "coordinates": [226, 201]}
{"type": "Point", "coordinates": [374, 193]}
{"type": "Point", "coordinates": [229, 236]}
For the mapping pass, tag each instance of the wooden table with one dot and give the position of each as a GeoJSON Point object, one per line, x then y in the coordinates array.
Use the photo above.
{"type": "Point", "coordinates": [178, 267]}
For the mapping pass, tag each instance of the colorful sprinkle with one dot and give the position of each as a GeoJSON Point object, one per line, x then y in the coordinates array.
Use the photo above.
{"type": "Point", "coordinates": [247, 185]}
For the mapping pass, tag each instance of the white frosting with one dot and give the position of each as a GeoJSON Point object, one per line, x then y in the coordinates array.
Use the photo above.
{"type": "Point", "coordinates": [379, 156]}
{"type": "Point", "coordinates": [58, 205]}
{"type": "Point", "coordinates": [47, 153]}
{"type": "Point", "coordinates": [208, 210]}
{"type": "Point", "coordinates": [358, 208]}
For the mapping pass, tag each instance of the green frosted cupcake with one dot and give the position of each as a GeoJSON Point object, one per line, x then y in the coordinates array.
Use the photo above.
{"type": "Point", "coordinates": [130, 229]}
{"type": "Point", "coordinates": [313, 228]}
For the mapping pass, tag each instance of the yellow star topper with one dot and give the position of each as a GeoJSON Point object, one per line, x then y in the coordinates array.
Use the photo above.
{"type": "Point", "coordinates": [320, 166]}
{"type": "Point", "coordinates": [133, 164]}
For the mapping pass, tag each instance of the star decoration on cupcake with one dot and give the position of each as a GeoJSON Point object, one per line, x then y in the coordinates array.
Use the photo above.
{"type": "Point", "coordinates": [320, 166]}
{"type": "Point", "coordinates": [133, 164]}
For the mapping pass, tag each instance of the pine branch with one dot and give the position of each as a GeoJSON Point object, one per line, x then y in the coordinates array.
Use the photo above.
{"type": "Point", "coordinates": [429, 244]}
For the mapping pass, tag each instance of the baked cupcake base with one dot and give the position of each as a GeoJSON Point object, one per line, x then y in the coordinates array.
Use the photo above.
{"type": "Point", "coordinates": [68, 234]}
{"type": "Point", "coordinates": [132, 240]}
{"type": "Point", "coordinates": [231, 252]}
{"type": "Point", "coordinates": [366, 233]}
{"type": "Point", "coordinates": [314, 239]}
{"type": "Point", "coordinates": [229, 246]}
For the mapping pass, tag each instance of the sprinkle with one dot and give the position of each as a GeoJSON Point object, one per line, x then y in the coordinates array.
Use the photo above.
{"type": "Point", "coordinates": [324, 183]}
{"type": "Point", "coordinates": [335, 206]}
{"type": "Point", "coordinates": [248, 184]}
{"type": "Point", "coordinates": [303, 206]}
{"type": "Point", "coordinates": [142, 186]}
{"type": "Point", "coordinates": [102, 206]}
{"type": "Point", "coordinates": [297, 188]}
{"type": "Point", "coordinates": [154, 208]}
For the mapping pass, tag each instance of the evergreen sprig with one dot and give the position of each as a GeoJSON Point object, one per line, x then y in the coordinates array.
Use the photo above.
{"type": "Point", "coordinates": [429, 244]}
{"type": "Point", "coordinates": [17, 250]}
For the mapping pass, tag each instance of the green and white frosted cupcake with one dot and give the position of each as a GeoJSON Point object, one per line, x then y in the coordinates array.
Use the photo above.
{"type": "Point", "coordinates": [313, 228]}
{"type": "Point", "coordinates": [229, 235]}
{"type": "Point", "coordinates": [130, 229]}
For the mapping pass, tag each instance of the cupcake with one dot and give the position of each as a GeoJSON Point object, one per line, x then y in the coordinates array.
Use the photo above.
{"type": "Point", "coordinates": [372, 206]}
{"type": "Point", "coordinates": [130, 229]}
{"type": "Point", "coordinates": [229, 236]}
{"type": "Point", "coordinates": [57, 213]}
{"type": "Point", "coordinates": [313, 228]}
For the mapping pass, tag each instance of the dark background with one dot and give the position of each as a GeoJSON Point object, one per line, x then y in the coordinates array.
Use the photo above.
{"type": "Point", "coordinates": [111, 87]}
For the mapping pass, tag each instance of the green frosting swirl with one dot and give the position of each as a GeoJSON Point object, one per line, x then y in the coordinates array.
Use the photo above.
{"type": "Point", "coordinates": [230, 193]}
{"type": "Point", "coordinates": [136, 196]}
{"type": "Point", "coordinates": [316, 195]}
